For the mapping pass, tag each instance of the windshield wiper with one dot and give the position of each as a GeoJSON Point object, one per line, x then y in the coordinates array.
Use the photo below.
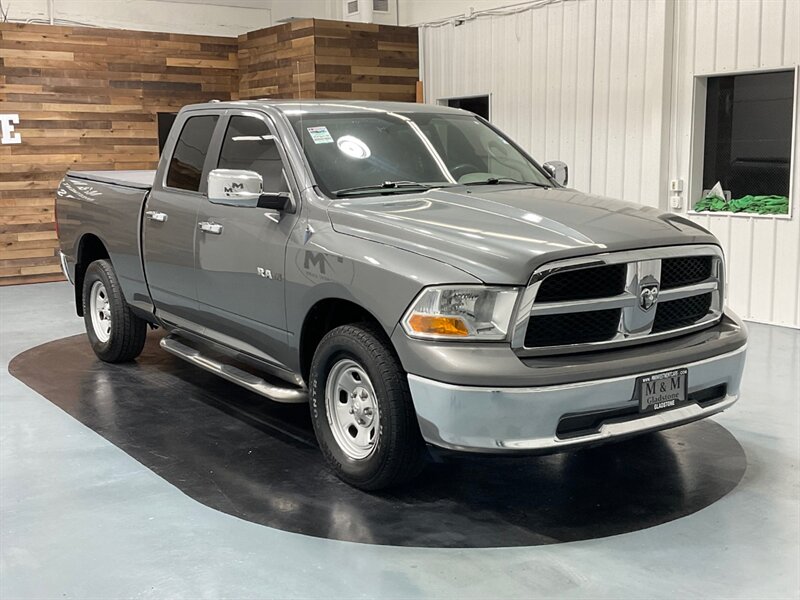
{"type": "Point", "coordinates": [499, 180]}
{"type": "Point", "coordinates": [386, 187]}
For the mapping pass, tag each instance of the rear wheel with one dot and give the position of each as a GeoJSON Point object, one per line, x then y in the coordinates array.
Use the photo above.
{"type": "Point", "coordinates": [115, 333]}
{"type": "Point", "coordinates": [362, 410]}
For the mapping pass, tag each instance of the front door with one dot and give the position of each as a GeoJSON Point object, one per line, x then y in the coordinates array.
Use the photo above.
{"type": "Point", "coordinates": [241, 251]}
{"type": "Point", "coordinates": [170, 222]}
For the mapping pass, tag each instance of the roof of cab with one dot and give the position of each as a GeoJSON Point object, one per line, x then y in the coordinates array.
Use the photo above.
{"type": "Point", "coordinates": [290, 107]}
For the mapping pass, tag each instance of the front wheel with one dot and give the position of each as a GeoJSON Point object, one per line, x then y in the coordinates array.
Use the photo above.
{"type": "Point", "coordinates": [362, 410]}
{"type": "Point", "coordinates": [115, 333]}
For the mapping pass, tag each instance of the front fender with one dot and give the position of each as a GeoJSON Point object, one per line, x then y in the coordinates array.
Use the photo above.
{"type": "Point", "coordinates": [379, 278]}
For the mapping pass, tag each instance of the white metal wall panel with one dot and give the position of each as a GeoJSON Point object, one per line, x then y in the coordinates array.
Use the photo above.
{"type": "Point", "coordinates": [608, 87]}
{"type": "Point", "coordinates": [564, 87]}
{"type": "Point", "coordinates": [718, 37]}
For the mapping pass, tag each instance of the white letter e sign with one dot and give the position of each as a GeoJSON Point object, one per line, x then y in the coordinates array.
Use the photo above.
{"type": "Point", "coordinates": [7, 123]}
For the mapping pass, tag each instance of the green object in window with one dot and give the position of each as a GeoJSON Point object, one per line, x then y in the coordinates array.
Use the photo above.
{"type": "Point", "coordinates": [763, 205]}
{"type": "Point", "coordinates": [711, 203]}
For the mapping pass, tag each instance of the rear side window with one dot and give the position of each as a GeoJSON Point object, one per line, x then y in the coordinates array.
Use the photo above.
{"type": "Point", "coordinates": [186, 167]}
{"type": "Point", "coordinates": [250, 146]}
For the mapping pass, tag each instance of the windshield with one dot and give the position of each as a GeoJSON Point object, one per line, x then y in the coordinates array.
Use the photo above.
{"type": "Point", "coordinates": [385, 152]}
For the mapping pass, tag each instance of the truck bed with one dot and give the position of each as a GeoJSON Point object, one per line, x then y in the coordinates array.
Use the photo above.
{"type": "Point", "coordinates": [108, 205]}
{"type": "Point", "coordinates": [140, 180]}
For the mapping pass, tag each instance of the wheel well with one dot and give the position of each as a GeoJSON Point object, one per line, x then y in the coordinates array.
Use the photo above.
{"type": "Point", "coordinates": [324, 316]}
{"type": "Point", "coordinates": [90, 249]}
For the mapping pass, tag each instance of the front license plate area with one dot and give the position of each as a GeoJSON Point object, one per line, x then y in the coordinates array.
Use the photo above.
{"type": "Point", "coordinates": [662, 391]}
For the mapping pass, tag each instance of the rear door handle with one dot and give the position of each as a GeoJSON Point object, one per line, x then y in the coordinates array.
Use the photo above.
{"type": "Point", "coordinates": [154, 215]}
{"type": "Point", "coordinates": [209, 227]}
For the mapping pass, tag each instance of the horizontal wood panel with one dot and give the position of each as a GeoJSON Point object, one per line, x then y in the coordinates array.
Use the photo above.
{"type": "Point", "coordinates": [277, 62]}
{"type": "Point", "coordinates": [316, 58]}
{"type": "Point", "coordinates": [88, 99]}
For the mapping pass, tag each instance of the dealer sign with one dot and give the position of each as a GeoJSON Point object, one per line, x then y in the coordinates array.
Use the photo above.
{"type": "Point", "coordinates": [8, 135]}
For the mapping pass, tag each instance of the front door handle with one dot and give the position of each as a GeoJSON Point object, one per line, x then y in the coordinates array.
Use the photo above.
{"type": "Point", "coordinates": [154, 215]}
{"type": "Point", "coordinates": [209, 227]}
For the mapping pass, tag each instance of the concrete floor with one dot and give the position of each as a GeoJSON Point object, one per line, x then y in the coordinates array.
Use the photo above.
{"type": "Point", "coordinates": [79, 518]}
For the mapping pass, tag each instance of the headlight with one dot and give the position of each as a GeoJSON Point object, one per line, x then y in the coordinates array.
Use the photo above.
{"type": "Point", "coordinates": [461, 312]}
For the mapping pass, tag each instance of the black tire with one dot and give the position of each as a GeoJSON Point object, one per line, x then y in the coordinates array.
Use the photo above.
{"type": "Point", "coordinates": [399, 452]}
{"type": "Point", "coordinates": [128, 332]}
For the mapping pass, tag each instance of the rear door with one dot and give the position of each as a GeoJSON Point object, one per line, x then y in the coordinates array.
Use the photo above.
{"type": "Point", "coordinates": [170, 219]}
{"type": "Point", "coordinates": [240, 263]}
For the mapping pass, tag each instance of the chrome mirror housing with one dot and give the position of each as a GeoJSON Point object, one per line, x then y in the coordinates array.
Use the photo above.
{"type": "Point", "coordinates": [234, 187]}
{"type": "Point", "coordinates": [558, 170]}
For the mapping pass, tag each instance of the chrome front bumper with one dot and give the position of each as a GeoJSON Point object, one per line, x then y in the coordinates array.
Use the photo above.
{"type": "Point", "coordinates": [508, 420]}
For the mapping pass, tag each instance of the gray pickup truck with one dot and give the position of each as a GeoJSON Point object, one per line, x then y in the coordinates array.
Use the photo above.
{"type": "Point", "coordinates": [410, 272]}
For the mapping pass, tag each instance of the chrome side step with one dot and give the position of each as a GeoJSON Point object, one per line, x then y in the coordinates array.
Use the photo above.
{"type": "Point", "coordinates": [247, 380]}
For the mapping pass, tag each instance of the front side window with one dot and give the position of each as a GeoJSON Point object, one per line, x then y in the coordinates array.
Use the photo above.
{"type": "Point", "coordinates": [186, 167]}
{"type": "Point", "coordinates": [250, 146]}
{"type": "Point", "coordinates": [348, 151]}
{"type": "Point", "coordinates": [748, 143]}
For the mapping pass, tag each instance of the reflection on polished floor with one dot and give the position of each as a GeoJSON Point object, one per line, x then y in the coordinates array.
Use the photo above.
{"type": "Point", "coordinates": [258, 460]}
{"type": "Point", "coordinates": [158, 480]}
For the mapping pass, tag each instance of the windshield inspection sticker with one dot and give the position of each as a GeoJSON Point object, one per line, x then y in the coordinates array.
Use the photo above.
{"type": "Point", "coordinates": [320, 135]}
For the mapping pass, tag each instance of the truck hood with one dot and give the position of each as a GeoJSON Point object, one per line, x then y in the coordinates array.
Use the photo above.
{"type": "Point", "coordinates": [502, 234]}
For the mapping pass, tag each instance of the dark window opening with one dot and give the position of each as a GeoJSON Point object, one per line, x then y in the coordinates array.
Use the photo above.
{"type": "Point", "coordinates": [748, 141]}
{"type": "Point", "coordinates": [186, 167]}
{"type": "Point", "coordinates": [474, 104]}
{"type": "Point", "coordinates": [165, 122]}
{"type": "Point", "coordinates": [250, 146]}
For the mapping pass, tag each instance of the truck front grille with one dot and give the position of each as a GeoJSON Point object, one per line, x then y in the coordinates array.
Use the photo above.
{"type": "Point", "coordinates": [572, 328]}
{"type": "Point", "coordinates": [596, 302]}
{"type": "Point", "coordinates": [583, 284]}
{"type": "Point", "coordinates": [685, 270]}
{"type": "Point", "coordinates": [681, 313]}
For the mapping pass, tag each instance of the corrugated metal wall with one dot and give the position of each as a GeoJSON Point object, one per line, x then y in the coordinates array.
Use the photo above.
{"type": "Point", "coordinates": [722, 36]}
{"type": "Point", "coordinates": [575, 81]}
{"type": "Point", "coordinates": [606, 85]}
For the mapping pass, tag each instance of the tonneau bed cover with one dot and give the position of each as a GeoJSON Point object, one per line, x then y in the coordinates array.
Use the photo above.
{"type": "Point", "coordinates": [142, 180]}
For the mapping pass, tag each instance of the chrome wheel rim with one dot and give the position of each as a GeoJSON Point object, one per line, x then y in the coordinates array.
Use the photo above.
{"type": "Point", "coordinates": [352, 409]}
{"type": "Point", "coordinates": [100, 311]}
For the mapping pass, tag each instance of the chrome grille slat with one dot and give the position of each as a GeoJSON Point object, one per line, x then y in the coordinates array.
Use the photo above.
{"type": "Point", "coordinates": [620, 301]}
{"type": "Point", "coordinates": [570, 306]}
{"type": "Point", "coordinates": [687, 290]}
{"type": "Point", "coordinates": [635, 325]}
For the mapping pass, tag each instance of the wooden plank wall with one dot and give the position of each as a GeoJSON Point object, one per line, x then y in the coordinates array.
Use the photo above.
{"type": "Point", "coordinates": [277, 62]}
{"type": "Point", "coordinates": [87, 99]}
{"type": "Point", "coordinates": [316, 58]}
{"type": "Point", "coordinates": [365, 61]}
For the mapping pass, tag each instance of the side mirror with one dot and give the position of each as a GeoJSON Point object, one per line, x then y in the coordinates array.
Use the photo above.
{"type": "Point", "coordinates": [233, 187]}
{"type": "Point", "coordinates": [558, 170]}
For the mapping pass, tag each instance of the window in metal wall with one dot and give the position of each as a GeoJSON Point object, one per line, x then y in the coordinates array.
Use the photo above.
{"type": "Point", "coordinates": [474, 104]}
{"type": "Point", "coordinates": [748, 142]}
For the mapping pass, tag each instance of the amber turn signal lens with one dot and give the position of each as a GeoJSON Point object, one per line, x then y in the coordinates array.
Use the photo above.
{"type": "Point", "coordinates": [431, 324]}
